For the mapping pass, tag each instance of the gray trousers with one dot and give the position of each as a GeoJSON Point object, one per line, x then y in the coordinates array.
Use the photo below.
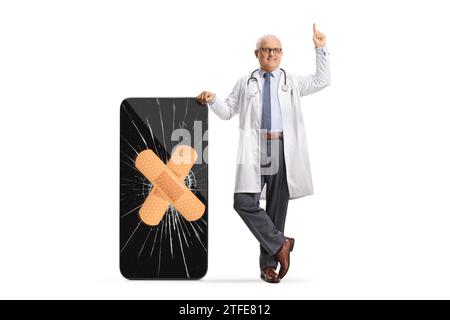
{"type": "Point", "coordinates": [267, 225]}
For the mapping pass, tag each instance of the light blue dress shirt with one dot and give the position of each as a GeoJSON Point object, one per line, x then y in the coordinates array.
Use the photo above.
{"type": "Point", "coordinates": [276, 121]}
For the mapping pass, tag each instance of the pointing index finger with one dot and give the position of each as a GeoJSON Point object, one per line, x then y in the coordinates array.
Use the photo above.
{"type": "Point", "coordinates": [314, 28]}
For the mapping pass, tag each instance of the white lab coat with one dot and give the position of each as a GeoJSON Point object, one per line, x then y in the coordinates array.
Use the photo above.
{"type": "Point", "coordinates": [245, 99]}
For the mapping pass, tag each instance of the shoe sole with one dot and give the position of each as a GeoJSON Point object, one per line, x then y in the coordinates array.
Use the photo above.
{"type": "Point", "coordinates": [264, 279]}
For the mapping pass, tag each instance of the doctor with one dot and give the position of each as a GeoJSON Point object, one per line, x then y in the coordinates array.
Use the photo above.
{"type": "Point", "coordinates": [273, 159]}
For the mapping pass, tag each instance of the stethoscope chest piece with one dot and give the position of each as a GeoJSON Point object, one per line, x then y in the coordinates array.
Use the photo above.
{"type": "Point", "coordinates": [284, 87]}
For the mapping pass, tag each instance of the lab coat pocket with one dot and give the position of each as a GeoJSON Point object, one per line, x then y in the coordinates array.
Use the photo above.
{"type": "Point", "coordinates": [249, 95]}
{"type": "Point", "coordinates": [250, 99]}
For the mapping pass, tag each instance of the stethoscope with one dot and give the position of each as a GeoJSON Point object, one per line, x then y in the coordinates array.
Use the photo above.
{"type": "Point", "coordinates": [284, 87]}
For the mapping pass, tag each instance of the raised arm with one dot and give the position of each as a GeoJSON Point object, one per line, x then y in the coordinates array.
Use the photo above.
{"type": "Point", "coordinates": [321, 79]}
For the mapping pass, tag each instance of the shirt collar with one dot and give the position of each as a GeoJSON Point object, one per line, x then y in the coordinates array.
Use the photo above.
{"type": "Point", "coordinates": [275, 72]}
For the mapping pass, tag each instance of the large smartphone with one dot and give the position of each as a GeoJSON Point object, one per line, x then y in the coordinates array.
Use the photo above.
{"type": "Point", "coordinates": [160, 236]}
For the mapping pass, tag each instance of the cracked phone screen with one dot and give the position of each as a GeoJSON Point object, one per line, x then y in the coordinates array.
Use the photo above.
{"type": "Point", "coordinates": [175, 248]}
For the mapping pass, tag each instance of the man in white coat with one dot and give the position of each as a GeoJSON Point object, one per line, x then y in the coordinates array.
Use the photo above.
{"type": "Point", "coordinates": [273, 161]}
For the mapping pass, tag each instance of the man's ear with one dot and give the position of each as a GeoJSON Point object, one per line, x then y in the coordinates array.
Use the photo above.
{"type": "Point", "coordinates": [256, 53]}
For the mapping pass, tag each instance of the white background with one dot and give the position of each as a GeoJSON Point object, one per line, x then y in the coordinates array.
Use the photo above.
{"type": "Point", "coordinates": [378, 224]}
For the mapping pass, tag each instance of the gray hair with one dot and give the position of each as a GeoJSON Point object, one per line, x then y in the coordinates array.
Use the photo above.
{"type": "Point", "coordinates": [266, 36]}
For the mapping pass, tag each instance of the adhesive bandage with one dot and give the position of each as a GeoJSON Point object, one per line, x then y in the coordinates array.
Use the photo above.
{"type": "Point", "coordinates": [168, 185]}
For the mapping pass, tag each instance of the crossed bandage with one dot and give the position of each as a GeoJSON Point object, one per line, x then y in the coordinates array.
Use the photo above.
{"type": "Point", "coordinates": [168, 185]}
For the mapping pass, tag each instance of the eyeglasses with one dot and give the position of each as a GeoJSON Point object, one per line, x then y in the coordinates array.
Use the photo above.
{"type": "Point", "coordinates": [268, 50]}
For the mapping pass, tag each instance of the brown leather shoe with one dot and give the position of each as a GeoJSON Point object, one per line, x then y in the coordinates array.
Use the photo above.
{"type": "Point", "coordinates": [268, 274]}
{"type": "Point", "coordinates": [283, 256]}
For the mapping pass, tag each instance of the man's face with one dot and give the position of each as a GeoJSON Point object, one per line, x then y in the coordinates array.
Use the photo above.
{"type": "Point", "coordinates": [269, 60]}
